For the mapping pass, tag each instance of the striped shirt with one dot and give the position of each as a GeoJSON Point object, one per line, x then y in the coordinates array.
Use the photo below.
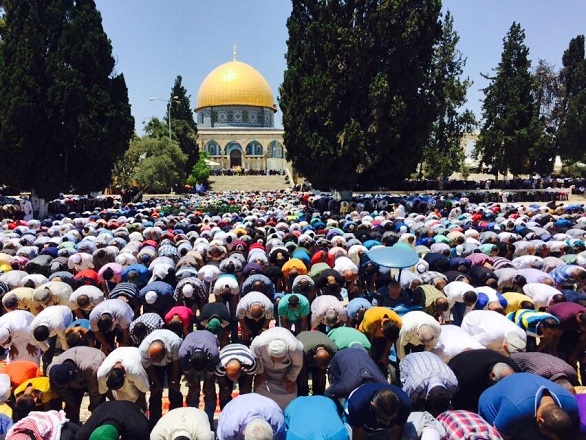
{"type": "Point", "coordinates": [546, 366]}
{"type": "Point", "coordinates": [529, 320]}
{"type": "Point", "coordinates": [239, 352]}
{"type": "Point", "coordinates": [152, 321]}
{"type": "Point", "coordinates": [465, 424]}
{"type": "Point", "coordinates": [420, 372]}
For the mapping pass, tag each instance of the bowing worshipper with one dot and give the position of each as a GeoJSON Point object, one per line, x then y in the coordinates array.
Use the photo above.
{"type": "Point", "coordinates": [453, 341]}
{"type": "Point", "coordinates": [159, 353]}
{"type": "Point", "coordinates": [392, 296]}
{"type": "Point", "coordinates": [83, 300]}
{"type": "Point", "coordinates": [72, 374]}
{"type": "Point", "coordinates": [113, 420]}
{"type": "Point", "coordinates": [199, 356]}
{"type": "Point", "coordinates": [476, 370]}
{"type": "Point", "coordinates": [20, 298]}
{"type": "Point", "coordinates": [536, 324]}
{"type": "Point", "coordinates": [258, 283]}
{"type": "Point", "coordinates": [548, 367]}
{"type": "Point", "coordinates": [49, 325]}
{"type": "Point", "coordinates": [377, 410]}
{"type": "Point", "coordinates": [528, 407]}
{"type": "Point", "coordinates": [460, 424]}
{"type": "Point", "coordinates": [144, 325]}
{"type": "Point", "coordinates": [345, 337]}
{"type": "Point", "coordinates": [216, 318]}
{"type": "Point", "coordinates": [461, 298]}
{"type": "Point", "coordinates": [16, 336]}
{"type": "Point", "coordinates": [183, 423]}
{"type": "Point", "coordinates": [123, 375]}
{"type": "Point", "coordinates": [279, 356]}
{"type": "Point", "coordinates": [428, 381]}
{"type": "Point", "coordinates": [254, 313]}
{"type": "Point", "coordinates": [356, 308]}
{"type": "Point", "coordinates": [237, 365]}
{"type": "Point", "coordinates": [110, 321]}
{"type": "Point", "coordinates": [570, 344]}
{"type": "Point", "coordinates": [433, 301]}
{"type": "Point", "coordinates": [350, 368]}
{"type": "Point", "coordinates": [157, 297]}
{"type": "Point", "coordinates": [419, 331]}
{"type": "Point", "coordinates": [250, 415]}
{"type": "Point", "coordinates": [129, 293]}
{"type": "Point", "coordinates": [179, 319]}
{"type": "Point", "coordinates": [318, 350]}
{"type": "Point", "coordinates": [495, 331]}
{"type": "Point", "coordinates": [327, 311]}
{"type": "Point", "coordinates": [293, 311]}
{"type": "Point", "coordinates": [314, 417]}
{"type": "Point", "coordinates": [34, 394]}
{"type": "Point", "coordinates": [43, 425]}
{"type": "Point", "coordinates": [52, 293]}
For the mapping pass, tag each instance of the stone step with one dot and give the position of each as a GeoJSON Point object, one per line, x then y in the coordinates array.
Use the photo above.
{"type": "Point", "coordinates": [248, 183]}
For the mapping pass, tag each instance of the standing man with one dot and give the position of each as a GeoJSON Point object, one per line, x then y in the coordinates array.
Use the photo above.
{"type": "Point", "coordinates": [159, 353]}
{"type": "Point", "coordinates": [279, 357]}
{"type": "Point", "coordinates": [74, 372]}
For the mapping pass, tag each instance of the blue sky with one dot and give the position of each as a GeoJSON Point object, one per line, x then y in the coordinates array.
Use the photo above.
{"type": "Point", "coordinates": [154, 41]}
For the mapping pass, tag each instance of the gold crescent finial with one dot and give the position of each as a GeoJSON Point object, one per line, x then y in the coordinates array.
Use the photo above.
{"type": "Point", "coordinates": [234, 51]}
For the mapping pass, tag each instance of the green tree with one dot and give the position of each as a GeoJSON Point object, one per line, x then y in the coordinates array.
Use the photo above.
{"type": "Point", "coordinates": [159, 163]}
{"type": "Point", "coordinates": [572, 130]}
{"type": "Point", "coordinates": [511, 132]}
{"type": "Point", "coordinates": [65, 114]}
{"type": "Point", "coordinates": [183, 125]}
{"type": "Point", "coordinates": [201, 171]}
{"type": "Point", "coordinates": [444, 154]}
{"type": "Point", "coordinates": [356, 101]}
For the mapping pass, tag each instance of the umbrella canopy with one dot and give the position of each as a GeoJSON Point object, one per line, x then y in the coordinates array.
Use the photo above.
{"type": "Point", "coordinates": [396, 256]}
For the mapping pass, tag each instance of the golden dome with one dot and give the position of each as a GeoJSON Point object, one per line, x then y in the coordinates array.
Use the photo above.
{"type": "Point", "coordinates": [235, 83]}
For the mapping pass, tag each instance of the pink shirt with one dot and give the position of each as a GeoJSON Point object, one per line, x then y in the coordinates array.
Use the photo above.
{"type": "Point", "coordinates": [184, 313]}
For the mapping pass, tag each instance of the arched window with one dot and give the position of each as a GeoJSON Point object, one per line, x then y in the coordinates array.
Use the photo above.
{"type": "Point", "coordinates": [276, 150]}
{"type": "Point", "coordinates": [212, 148]}
{"type": "Point", "coordinates": [254, 148]}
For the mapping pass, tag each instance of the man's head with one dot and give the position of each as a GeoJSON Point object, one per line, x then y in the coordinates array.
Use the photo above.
{"type": "Point", "coordinates": [115, 377]}
{"type": "Point", "coordinates": [321, 358]}
{"type": "Point", "coordinates": [257, 311]}
{"type": "Point", "coordinates": [105, 323]}
{"type": "Point", "coordinates": [438, 400]}
{"type": "Point", "coordinates": [495, 306]}
{"type": "Point", "coordinates": [390, 329]}
{"type": "Point", "coordinates": [24, 404]}
{"type": "Point", "coordinates": [257, 286]}
{"type": "Point", "coordinates": [258, 429]}
{"type": "Point", "coordinates": [199, 360]}
{"type": "Point", "coordinates": [62, 374]}
{"type": "Point", "coordinates": [277, 349]}
{"type": "Point", "coordinates": [426, 335]}
{"type": "Point", "coordinates": [157, 351]}
{"type": "Point", "coordinates": [394, 288]}
{"type": "Point", "coordinates": [442, 305]}
{"type": "Point", "coordinates": [83, 302]}
{"type": "Point", "coordinates": [233, 370]}
{"type": "Point", "coordinates": [105, 432]}
{"type": "Point", "coordinates": [470, 298]}
{"type": "Point", "coordinates": [331, 317]}
{"type": "Point", "coordinates": [41, 333]}
{"type": "Point", "coordinates": [384, 405]}
{"type": "Point", "coordinates": [554, 422]}
{"type": "Point", "coordinates": [499, 371]}
{"type": "Point", "coordinates": [549, 328]}
{"type": "Point", "coordinates": [42, 296]}
{"type": "Point", "coordinates": [140, 330]}
{"type": "Point", "coordinates": [293, 302]}
{"type": "Point", "coordinates": [10, 302]}
{"type": "Point", "coordinates": [514, 343]}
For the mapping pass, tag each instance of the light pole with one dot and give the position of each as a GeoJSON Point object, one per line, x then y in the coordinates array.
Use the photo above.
{"type": "Point", "coordinates": [169, 102]}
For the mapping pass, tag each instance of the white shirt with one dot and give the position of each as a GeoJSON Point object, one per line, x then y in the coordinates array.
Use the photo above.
{"type": "Point", "coordinates": [534, 275]}
{"type": "Point", "coordinates": [172, 344]}
{"type": "Point", "coordinates": [136, 380]}
{"type": "Point", "coordinates": [122, 313]}
{"type": "Point", "coordinates": [57, 319]}
{"type": "Point", "coordinates": [453, 341]}
{"type": "Point", "coordinates": [18, 323]}
{"type": "Point", "coordinates": [94, 294]}
{"type": "Point", "coordinates": [525, 261]}
{"type": "Point", "coordinates": [322, 304]}
{"type": "Point", "coordinates": [490, 328]}
{"type": "Point", "coordinates": [242, 309]}
{"type": "Point", "coordinates": [541, 294]}
{"type": "Point", "coordinates": [188, 422]}
{"type": "Point", "coordinates": [410, 327]}
{"type": "Point", "coordinates": [455, 291]}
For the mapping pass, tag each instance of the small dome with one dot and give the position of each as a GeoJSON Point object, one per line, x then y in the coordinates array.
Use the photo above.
{"type": "Point", "coordinates": [235, 83]}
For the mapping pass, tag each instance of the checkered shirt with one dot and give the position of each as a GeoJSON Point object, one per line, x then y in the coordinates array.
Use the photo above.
{"type": "Point", "coordinates": [467, 425]}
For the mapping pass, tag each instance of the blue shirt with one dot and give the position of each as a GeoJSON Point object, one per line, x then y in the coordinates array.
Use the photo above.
{"type": "Point", "coordinates": [358, 411]}
{"type": "Point", "coordinates": [511, 403]}
{"type": "Point", "coordinates": [314, 417]}
{"type": "Point", "coordinates": [355, 305]}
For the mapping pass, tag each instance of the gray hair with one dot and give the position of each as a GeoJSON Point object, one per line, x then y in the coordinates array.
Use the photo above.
{"type": "Point", "coordinates": [258, 429]}
{"type": "Point", "coordinates": [501, 370]}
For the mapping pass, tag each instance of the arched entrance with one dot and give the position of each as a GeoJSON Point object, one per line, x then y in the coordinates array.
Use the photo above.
{"type": "Point", "coordinates": [235, 158]}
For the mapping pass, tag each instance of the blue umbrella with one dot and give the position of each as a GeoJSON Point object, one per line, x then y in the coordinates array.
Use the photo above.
{"type": "Point", "coordinates": [398, 257]}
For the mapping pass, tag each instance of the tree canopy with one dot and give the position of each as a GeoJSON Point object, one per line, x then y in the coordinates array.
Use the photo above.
{"type": "Point", "coordinates": [572, 130]}
{"type": "Point", "coordinates": [357, 96]}
{"type": "Point", "coordinates": [511, 133]}
{"type": "Point", "coordinates": [65, 116]}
